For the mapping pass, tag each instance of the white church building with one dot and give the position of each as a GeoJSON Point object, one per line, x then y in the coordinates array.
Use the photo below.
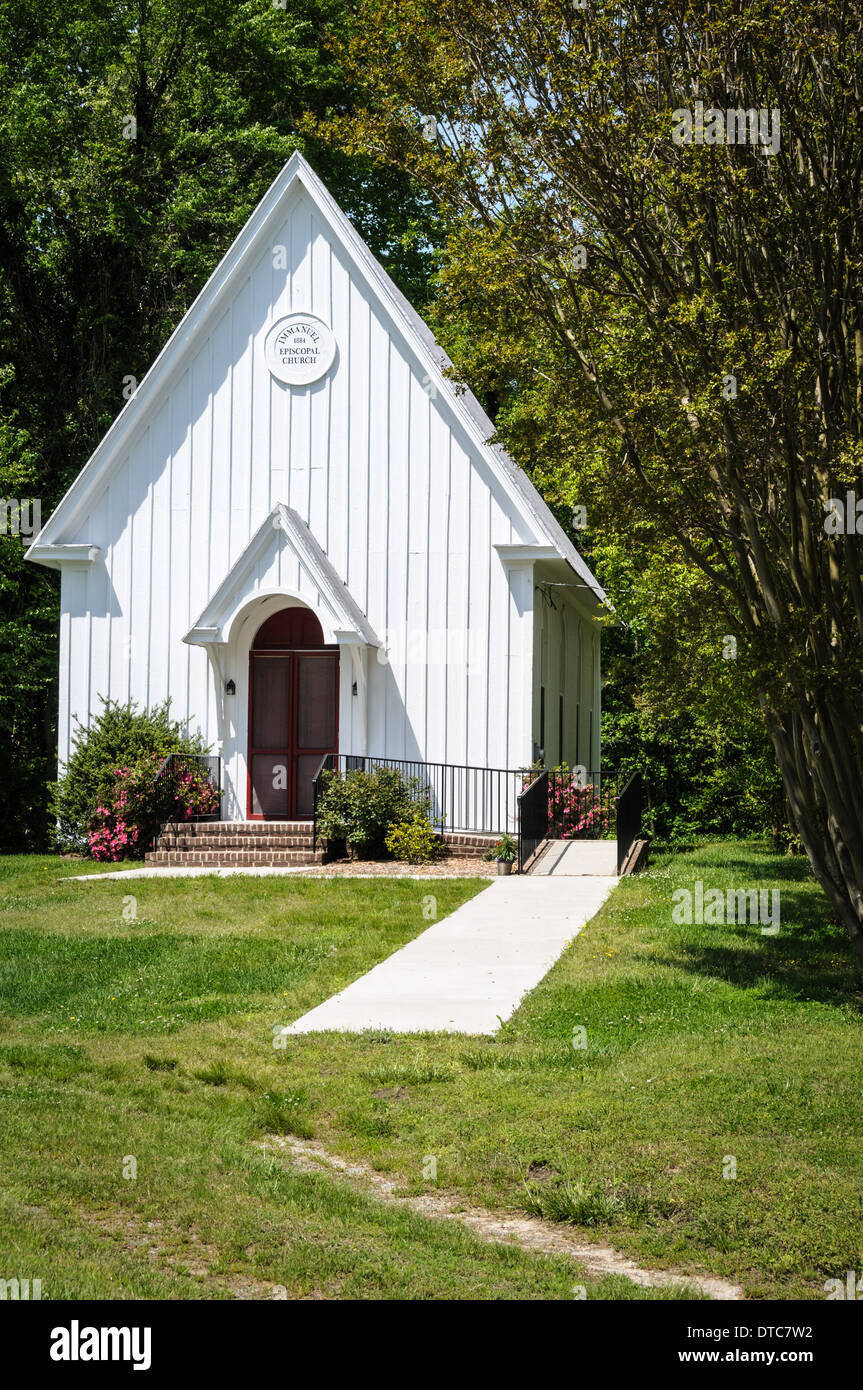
{"type": "Point", "coordinates": [298, 530]}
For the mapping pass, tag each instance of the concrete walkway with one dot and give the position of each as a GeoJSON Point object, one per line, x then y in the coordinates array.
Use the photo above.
{"type": "Point", "coordinates": [576, 857]}
{"type": "Point", "coordinates": [469, 972]}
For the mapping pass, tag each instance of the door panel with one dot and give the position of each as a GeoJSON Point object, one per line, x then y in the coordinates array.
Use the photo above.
{"type": "Point", "coordinates": [293, 722]}
{"type": "Point", "coordinates": [271, 702]}
{"type": "Point", "coordinates": [270, 781]}
{"type": "Point", "coordinates": [307, 766]}
{"type": "Point", "coordinates": [316, 701]}
{"type": "Point", "coordinates": [317, 688]}
{"type": "Point", "coordinates": [269, 761]}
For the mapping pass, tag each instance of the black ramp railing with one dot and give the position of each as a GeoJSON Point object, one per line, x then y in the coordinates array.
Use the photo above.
{"type": "Point", "coordinates": [533, 812]}
{"type": "Point", "coordinates": [628, 818]}
{"type": "Point", "coordinates": [565, 805]}
{"type": "Point", "coordinates": [479, 799]}
{"type": "Point", "coordinates": [570, 805]}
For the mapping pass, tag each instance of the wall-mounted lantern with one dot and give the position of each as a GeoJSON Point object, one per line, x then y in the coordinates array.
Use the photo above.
{"type": "Point", "coordinates": [230, 688]}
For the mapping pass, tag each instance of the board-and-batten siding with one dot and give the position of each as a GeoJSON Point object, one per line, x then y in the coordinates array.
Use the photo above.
{"type": "Point", "coordinates": [566, 663]}
{"type": "Point", "coordinates": [385, 476]}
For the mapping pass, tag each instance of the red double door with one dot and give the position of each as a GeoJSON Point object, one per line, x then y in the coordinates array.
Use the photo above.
{"type": "Point", "coordinates": [293, 714]}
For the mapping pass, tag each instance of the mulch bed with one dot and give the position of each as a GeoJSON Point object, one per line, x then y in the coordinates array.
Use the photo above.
{"type": "Point", "coordinates": [468, 867]}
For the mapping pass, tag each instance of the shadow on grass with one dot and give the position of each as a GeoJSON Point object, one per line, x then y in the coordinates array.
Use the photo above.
{"type": "Point", "coordinates": [810, 958]}
{"type": "Point", "coordinates": [789, 868]}
{"type": "Point", "coordinates": [789, 973]}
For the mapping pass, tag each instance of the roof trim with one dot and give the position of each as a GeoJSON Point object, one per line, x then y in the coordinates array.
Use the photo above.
{"type": "Point", "coordinates": [526, 554]}
{"type": "Point", "coordinates": [461, 401]}
{"type": "Point", "coordinates": [350, 626]}
{"type": "Point", "coordinates": [57, 557]}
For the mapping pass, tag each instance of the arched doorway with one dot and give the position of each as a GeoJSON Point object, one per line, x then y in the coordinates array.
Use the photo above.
{"type": "Point", "coordinates": [293, 713]}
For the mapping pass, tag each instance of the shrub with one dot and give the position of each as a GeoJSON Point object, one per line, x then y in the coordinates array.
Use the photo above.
{"type": "Point", "coordinates": [128, 819]}
{"type": "Point", "coordinates": [360, 807]}
{"type": "Point", "coordinates": [122, 736]}
{"type": "Point", "coordinates": [414, 840]}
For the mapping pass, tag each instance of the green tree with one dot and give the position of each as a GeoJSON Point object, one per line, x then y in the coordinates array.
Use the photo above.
{"type": "Point", "coordinates": [706, 297]}
{"type": "Point", "coordinates": [137, 137]}
{"type": "Point", "coordinates": [677, 704]}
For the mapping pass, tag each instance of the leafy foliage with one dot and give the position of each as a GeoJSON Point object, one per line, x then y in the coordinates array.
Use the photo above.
{"type": "Point", "coordinates": [29, 599]}
{"type": "Point", "coordinates": [361, 807]}
{"type": "Point", "coordinates": [504, 850]}
{"type": "Point", "coordinates": [121, 739]}
{"type": "Point", "coordinates": [137, 140]}
{"type": "Point", "coordinates": [413, 840]}
{"type": "Point", "coordinates": [137, 806]}
{"type": "Point", "coordinates": [577, 812]}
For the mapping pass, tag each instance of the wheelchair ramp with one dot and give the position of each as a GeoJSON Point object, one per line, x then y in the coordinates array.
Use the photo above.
{"type": "Point", "coordinates": [572, 858]}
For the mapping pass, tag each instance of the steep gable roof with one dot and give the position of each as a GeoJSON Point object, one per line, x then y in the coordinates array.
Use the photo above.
{"type": "Point", "coordinates": [247, 246]}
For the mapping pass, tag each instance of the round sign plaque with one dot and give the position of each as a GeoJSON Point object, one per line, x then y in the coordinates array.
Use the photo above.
{"type": "Point", "coordinates": [299, 349]}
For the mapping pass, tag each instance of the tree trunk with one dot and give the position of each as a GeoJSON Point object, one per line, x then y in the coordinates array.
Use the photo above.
{"type": "Point", "coordinates": [824, 819]}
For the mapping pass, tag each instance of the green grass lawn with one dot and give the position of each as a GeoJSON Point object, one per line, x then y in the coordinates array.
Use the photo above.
{"type": "Point", "coordinates": [152, 1039]}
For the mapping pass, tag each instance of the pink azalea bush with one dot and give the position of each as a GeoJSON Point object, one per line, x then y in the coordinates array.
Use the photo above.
{"type": "Point", "coordinates": [578, 812]}
{"type": "Point", "coordinates": [129, 816]}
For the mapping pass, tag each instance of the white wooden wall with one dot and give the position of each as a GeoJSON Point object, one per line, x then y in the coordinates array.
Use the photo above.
{"type": "Point", "coordinates": [567, 667]}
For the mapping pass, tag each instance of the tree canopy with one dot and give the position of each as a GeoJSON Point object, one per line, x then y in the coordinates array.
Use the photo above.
{"type": "Point", "coordinates": [677, 191]}
{"type": "Point", "coordinates": [137, 138]}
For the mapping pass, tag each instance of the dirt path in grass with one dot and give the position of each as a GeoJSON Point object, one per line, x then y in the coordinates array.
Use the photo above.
{"type": "Point", "coordinates": [528, 1232]}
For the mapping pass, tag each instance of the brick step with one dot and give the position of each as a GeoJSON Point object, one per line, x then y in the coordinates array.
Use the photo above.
{"type": "Point", "coordinates": [462, 844]}
{"type": "Point", "coordinates": [231, 858]}
{"type": "Point", "coordinates": [223, 842]}
{"type": "Point", "coordinates": [238, 827]}
{"type": "Point", "coordinates": [247, 843]}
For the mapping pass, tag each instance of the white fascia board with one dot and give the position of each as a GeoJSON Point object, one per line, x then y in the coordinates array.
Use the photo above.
{"type": "Point", "coordinates": [203, 636]}
{"type": "Point", "coordinates": [574, 586]}
{"type": "Point", "coordinates": [62, 556]}
{"type": "Point", "coordinates": [524, 554]}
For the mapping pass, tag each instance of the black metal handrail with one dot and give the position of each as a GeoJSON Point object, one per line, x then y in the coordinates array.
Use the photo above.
{"type": "Point", "coordinates": [326, 765]}
{"type": "Point", "coordinates": [483, 800]}
{"type": "Point", "coordinates": [629, 805]}
{"type": "Point", "coordinates": [533, 804]}
{"type": "Point", "coordinates": [170, 778]}
{"type": "Point", "coordinates": [539, 803]}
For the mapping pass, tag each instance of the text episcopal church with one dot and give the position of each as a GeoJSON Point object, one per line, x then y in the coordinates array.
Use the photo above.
{"type": "Point", "coordinates": [298, 531]}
